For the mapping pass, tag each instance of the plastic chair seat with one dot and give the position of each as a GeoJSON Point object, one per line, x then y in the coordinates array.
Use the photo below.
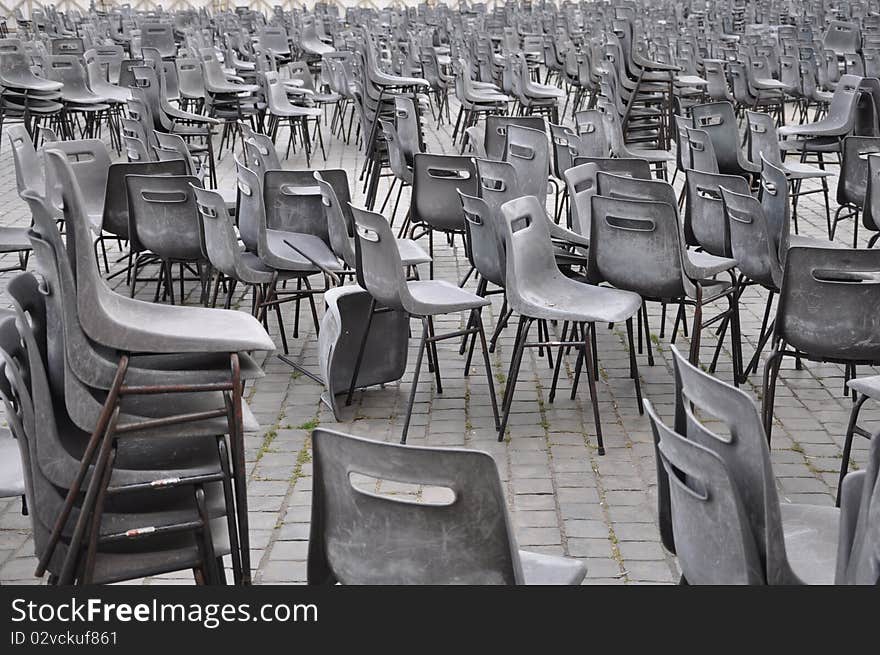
{"type": "Point", "coordinates": [823, 128]}
{"type": "Point", "coordinates": [811, 535]}
{"type": "Point", "coordinates": [799, 171]}
{"type": "Point", "coordinates": [89, 107]}
{"type": "Point", "coordinates": [432, 297]}
{"type": "Point", "coordinates": [203, 368]}
{"type": "Point", "coordinates": [296, 111]}
{"type": "Point", "coordinates": [577, 302]}
{"type": "Point", "coordinates": [282, 256]}
{"type": "Point", "coordinates": [867, 386]}
{"type": "Point", "coordinates": [691, 80]}
{"type": "Point", "coordinates": [769, 84]}
{"type": "Point", "coordinates": [650, 155]}
{"type": "Point", "coordinates": [411, 253]}
{"type": "Point", "coordinates": [33, 84]}
{"type": "Point", "coordinates": [541, 569]}
{"type": "Point", "coordinates": [137, 326]}
{"type": "Point", "coordinates": [14, 239]}
{"type": "Point", "coordinates": [705, 265]}
{"type": "Point", "coordinates": [796, 240]}
{"type": "Point", "coordinates": [820, 144]}
{"type": "Point", "coordinates": [11, 475]}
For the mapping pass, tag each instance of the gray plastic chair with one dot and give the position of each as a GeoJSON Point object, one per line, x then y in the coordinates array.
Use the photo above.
{"type": "Point", "coordinates": [528, 151]}
{"type": "Point", "coordinates": [695, 284]}
{"type": "Point", "coordinates": [255, 235]}
{"type": "Point", "coordinates": [496, 132]}
{"type": "Point", "coordinates": [237, 266]}
{"type": "Point", "coordinates": [713, 542]}
{"type": "Point", "coordinates": [701, 151]}
{"type": "Point", "coordinates": [260, 150]}
{"type": "Point", "coordinates": [857, 555]}
{"type": "Point", "coordinates": [853, 180]}
{"type": "Point", "coordinates": [280, 109]}
{"type": "Point", "coordinates": [762, 142]}
{"type": "Point", "coordinates": [796, 543]}
{"type": "Point", "coordinates": [383, 276]}
{"type": "Point", "coordinates": [128, 325]}
{"type": "Point", "coordinates": [705, 224]}
{"type": "Point", "coordinates": [718, 120]}
{"type": "Point", "coordinates": [28, 403]}
{"type": "Point", "coordinates": [164, 220]}
{"type": "Point", "coordinates": [435, 205]}
{"type": "Point", "coordinates": [537, 290]}
{"type": "Point", "coordinates": [336, 196]}
{"type": "Point", "coordinates": [12, 481]}
{"type": "Point", "coordinates": [591, 131]}
{"type": "Point", "coordinates": [357, 537]}
{"type": "Point", "coordinates": [842, 282]}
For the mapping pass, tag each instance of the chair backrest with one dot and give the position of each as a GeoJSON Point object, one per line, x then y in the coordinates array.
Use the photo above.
{"type": "Point", "coordinates": [358, 536]}
{"type": "Point", "coordinates": [89, 160]}
{"type": "Point", "coordinates": [261, 153]}
{"type": "Point", "coordinates": [591, 131]}
{"type": "Point", "coordinates": [159, 36]}
{"type": "Point", "coordinates": [713, 541]}
{"type": "Point", "coordinates": [528, 151]}
{"type": "Point", "coordinates": [336, 196]}
{"type": "Point", "coordinates": [635, 246]}
{"type": "Point", "coordinates": [762, 141]}
{"type": "Point", "coordinates": [162, 213]}
{"type": "Point", "coordinates": [396, 155]}
{"type": "Point", "coordinates": [496, 131]}
{"type": "Point", "coordinates": [845, 283]}
{"type": "Point", "coordinates": [614, 185]}
{"type": "Point", "coordinates": [436, 179]}
{"type": "Point", "coordinates": [682, 145]}
{"type": "Point", "coordinates": [853, 181]}
{"type": "Point", "coordinates": [701, 150]}
{"type": "Point", "coordinates": [704, 220]}
{"type": "Point", "coordinates": [858, 557]}
{"type": "Point", "coordinates": [293, 203]}
{"type": "Point", "coordinates": [406, 122]}
{"type": "Point", "coordinates": [566, 146]}
{"type": "Point", "coordinates": [28, 169]}
{"type": "Point", "coordinates": [116, 203]}
{"type": "Point", "coordinates": [528, 249]}
{"type": "Point", "coordinates": [218, 229]}
{"type": "Point", "coordinates": [174, 143]}
{"type": "Point", "coordinates": [751, 239]}
{"type": "Point", "coordinates": [251, 212]}
{"type": "Point", "coordinates": [871, 206]}
{"type": "Point", "coordinates": [380, 265]}
{"type": "Point", "coordinates": [776, 205]}
{"type": "Point", "coordinates": [485, 245]}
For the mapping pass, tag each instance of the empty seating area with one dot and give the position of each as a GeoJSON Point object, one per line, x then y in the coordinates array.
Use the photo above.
{"type": "Point", "coordinates": [472, 293]}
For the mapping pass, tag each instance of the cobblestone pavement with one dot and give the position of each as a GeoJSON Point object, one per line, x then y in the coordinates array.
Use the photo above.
{"type": "Point", "coordinates": [564, 497]}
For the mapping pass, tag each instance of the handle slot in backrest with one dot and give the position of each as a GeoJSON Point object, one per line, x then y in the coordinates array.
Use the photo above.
{"type": "Point", "coordinates": [165, 197]}
{"type": "Point", "coordinates": [630, 224]}
{"type": "Point", "coordinates": [405, 493]}
{"type": "Point", "coordinates": [367, 234]}
{"type": "Point", "coordinates": [206, 210]}
{"type": "Point", "coordinates": [297, 190]}
{"type": "Point", "coordinates": [835, 276]}
{"type": "Point", "coordinates": [520, 152]}
{"type": "Point", "coordinates": [448, 174]}
{"type": "Point", "coordinates": [708, 193]}
{"type": "Point", "coordinates": [493, 184]}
